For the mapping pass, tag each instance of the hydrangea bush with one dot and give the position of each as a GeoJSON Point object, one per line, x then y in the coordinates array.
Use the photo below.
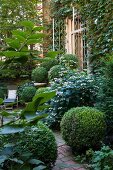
{"type": "Point", "coordinates": [72, 89]}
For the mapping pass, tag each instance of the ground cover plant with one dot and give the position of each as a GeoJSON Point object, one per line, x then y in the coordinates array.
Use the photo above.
{"type": "Point", "coordinates": [103, 159]}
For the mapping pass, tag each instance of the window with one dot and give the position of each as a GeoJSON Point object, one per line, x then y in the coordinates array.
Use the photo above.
{"type": "Point", "coordinates": [76, 38]}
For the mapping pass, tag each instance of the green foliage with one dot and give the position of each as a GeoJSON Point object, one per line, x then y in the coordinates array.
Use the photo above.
{"type": "Point", "coordinates": [17, 71]}
{"type": "Point", "coordinates": [49, 64]}
{"type": "Point", "coordinates": [1, 101]}
{"type": "Point", "coordinates": [28, 93]}
{"type": "Point", "coordinates": [69, 60]}
{"type": "Point", "coordinates": [10, 157]}
{"type": "Point", "coordinates": [43, 90]}
{"type": "Point", "coordinates": [17, 121]}
{"type": "Point", "coordinates": [37, 140]}
{"type": "Point", "coordinates": [100, 24]}
{"type": "Point", "coordinates": [83, 128]}
{"type": "Point", "coordinates": [9, 161]}
{"type": "Point", "coordinates": [103, 159]}
{"type": "Point", "coordinates": [73, 89]}
{"type": "Point", "coordinates": [55, 71]}
{"type": "Point", "coordinates": [60, 10]}
{"type": "Point", "coordinates": [42, 137]}
{"type": "Point", "coordinates": [105, 95]}
{"type": "Point", "coordinates": [18, 51]}
{"type": "Point", "coordinates": [14, 11]}
{"type": "Point", "coordinates": [21, 88]}
{"type": "Point", "coordinates": [99, 17]}
{"type": "Point", "coordinates": [1, 94]}
{"type": "Point", "coordinates": [39, 74]}
{"type": "Point", "coordinates": [84, 158]}
{"type": "Point", "coordinates": [3, 89]}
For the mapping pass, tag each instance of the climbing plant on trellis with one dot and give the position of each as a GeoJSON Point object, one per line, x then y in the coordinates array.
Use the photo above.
{"type": "Point", "coordinates": [99, 17]}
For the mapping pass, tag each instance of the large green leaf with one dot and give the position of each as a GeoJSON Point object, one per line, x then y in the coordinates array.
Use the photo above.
{"type": "Point", "coordinates": [35, 161]}
{"type": "Point", "coordinates": [38, 35]}
{"type": "Point", "coordinates": [1, 101]}
{"type": "Point", "coordinates": [9, 129]}
{"type": "Point", "coordinates": [2, 159]}
{"type": "Point", "coordinates": [13, 43]}
{"type": "Point", "coordinates": [33, 41]}
{"type": "Point", "coordinates": [10, 53]}
{"type": "Point", "coordinates": [26, 155]}
{"type": "Point", "coordinates": [33, 121]}
{"type": "Point", "coordinates": [40, 28]}
{"type": "Point", "coordinates": [4, 113]}
{"type": "Point", "coordinates": [44, 97]}
{"type": "Point", "coordinates": [20, 38]}
{"type": "Point", "coordinates": [42, 107]}
{"type": "Point", "coordinates": [16, 160]}
{"type": "Point", "coordinates": [31, 108]}
{"type": "Point", "coordinates": [27, 24]}
{"type": "Point", "coordinates": [52, 54]}
{"type": "Point", "coordinates": [40, 167]}
{"type": "Point", "coordinates": [21, 33]}
{"type": "Point", "coordinates": [15, 53]}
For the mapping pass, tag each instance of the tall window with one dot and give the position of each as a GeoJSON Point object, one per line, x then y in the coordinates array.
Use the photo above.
{"type": "Point", "coordinates": [76, 37]}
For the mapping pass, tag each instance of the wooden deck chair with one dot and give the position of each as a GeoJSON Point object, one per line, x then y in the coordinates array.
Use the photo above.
{"type": "Point", "coordinates": [11, 99]}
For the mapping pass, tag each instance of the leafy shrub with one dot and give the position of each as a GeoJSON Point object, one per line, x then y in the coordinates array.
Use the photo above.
{"type": "Point", "coordinates": [1, 94]}
{"type": "Point", "coordinates": [105, 95]}
{"type": "Point", "coordinates": [69, 60]}
{"type": "Point", "coordinates": [38, 140]}
{"type": "Point", "coordinates": [49, 64]}
{"type": "Point", "coordinates": [103, 159]}
{"type": "Point", "coordinates": [55, 71]}
{"type": "Point", "coordinates": [83, 128]}
{"type": "Point", "coordinates": [17, 70]}
{"type": "Point", "coordinates": [39, 74]}
{"type": "Point", "coordinates": [21, 87]}
{"type": "Point", "coordinates": [28, 93]}
{"type": "Point", "coordinates": [74, 89]}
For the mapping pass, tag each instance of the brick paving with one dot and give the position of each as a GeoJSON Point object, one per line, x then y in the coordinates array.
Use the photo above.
{"type": "Point", "coordinates": [65, 159]}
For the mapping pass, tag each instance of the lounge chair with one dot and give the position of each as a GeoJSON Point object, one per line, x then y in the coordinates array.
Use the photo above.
{"type": "Point", "coordinates": [11, 99]}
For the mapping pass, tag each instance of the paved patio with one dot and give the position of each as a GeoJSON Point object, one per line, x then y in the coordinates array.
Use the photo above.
{"type": "Point", "coordinates": [65, 159]}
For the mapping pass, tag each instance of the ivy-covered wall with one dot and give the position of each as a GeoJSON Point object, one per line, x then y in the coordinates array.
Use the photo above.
{"type": "Point", "coordinates": [59, 11]}
{"type": "Point", "coordinates": [99, 17]}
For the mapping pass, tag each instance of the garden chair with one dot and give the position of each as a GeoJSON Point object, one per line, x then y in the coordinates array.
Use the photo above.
{"type": "Point", "coordinates": [11, 100]}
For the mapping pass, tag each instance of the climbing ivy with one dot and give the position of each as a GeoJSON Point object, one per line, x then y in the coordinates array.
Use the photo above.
{"type": "Point", "coordinates": [99, 17]}
{"type": "Point", "coordinates": [59, 11]}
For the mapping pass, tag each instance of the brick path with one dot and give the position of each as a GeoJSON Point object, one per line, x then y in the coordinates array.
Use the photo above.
{"type": "Point", "coordinates": [65, 159]}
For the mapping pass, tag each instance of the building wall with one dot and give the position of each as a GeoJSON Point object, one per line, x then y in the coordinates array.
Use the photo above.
{"type": "Point", "coordinates": [46, 23]}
